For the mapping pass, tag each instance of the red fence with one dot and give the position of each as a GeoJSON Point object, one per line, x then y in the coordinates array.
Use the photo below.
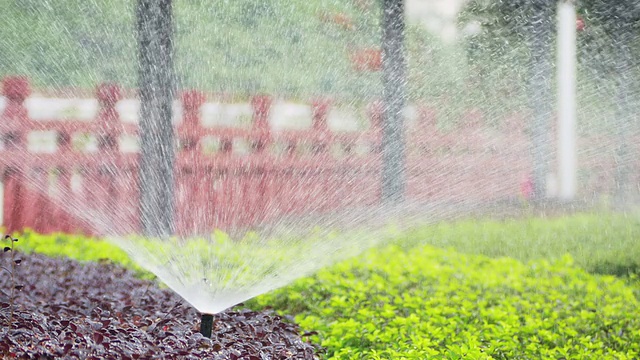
{"type": "Point", "coordinates": [281, 172]}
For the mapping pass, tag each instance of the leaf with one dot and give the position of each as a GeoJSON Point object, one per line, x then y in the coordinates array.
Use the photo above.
{"type": "Point", "coordinates": [98, 338]}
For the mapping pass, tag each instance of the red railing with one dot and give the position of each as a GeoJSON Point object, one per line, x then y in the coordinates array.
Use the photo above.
{"type": "Point", "coordinates": [281, 172]}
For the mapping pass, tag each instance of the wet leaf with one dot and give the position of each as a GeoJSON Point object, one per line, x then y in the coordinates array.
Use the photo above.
{"type": "Point", "coordinates": [98, 337]}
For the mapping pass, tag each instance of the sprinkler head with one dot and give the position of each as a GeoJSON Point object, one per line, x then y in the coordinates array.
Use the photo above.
{"type": "Point", "coordinates": [206, 325]}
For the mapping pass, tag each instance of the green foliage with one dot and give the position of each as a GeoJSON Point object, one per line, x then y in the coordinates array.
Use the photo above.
{"type": "Point", "coordinates": [423, 303]}
{"type": "Point", "coordinates": [499, 56]}
{"type": "Point", "coordinates": [69, 43]}
{"type": "Point", "coordinates": [77, 247]}
{"type": "Point", "coordinates": [10, 271]}
{"type": "Point", "coordinates": [500, 40]}
{"type": "Point", "coordinates": [504, 26]}
{"type": "Point", "coordinates": [604, 243]}
{"type": "Point", "coordinates": [411, 300]}
{"type": "Point", "coordinates": [240, 47]}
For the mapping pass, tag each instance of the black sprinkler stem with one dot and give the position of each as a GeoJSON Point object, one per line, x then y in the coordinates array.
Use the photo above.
{"type": "Point", "coordinates": [206, 325]}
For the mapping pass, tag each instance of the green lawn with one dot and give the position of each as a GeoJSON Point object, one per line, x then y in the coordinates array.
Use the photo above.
{"type": "Point", "coordinates": [603, 243]}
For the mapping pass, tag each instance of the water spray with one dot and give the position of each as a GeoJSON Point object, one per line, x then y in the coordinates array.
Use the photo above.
{"type": "Point", "coordinates": [206, 325]}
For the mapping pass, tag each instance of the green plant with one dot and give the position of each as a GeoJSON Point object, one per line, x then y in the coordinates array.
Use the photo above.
{"type": "Point", "coordinates": [523, 290]}
{"type": "Point", "coordinates": [424, 302]}
{"type": "Point", "coordinates": [240, 48]}
{"type": "Point", "coordinates": [78, 247]}
{"type": "Point", "coordinates": [11, 270]}
{"type": "Point", "coordinates": [600, 242]}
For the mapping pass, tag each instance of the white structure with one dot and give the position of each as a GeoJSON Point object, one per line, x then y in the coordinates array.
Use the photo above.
{"type": "Point", "coordinates": [567, 153]}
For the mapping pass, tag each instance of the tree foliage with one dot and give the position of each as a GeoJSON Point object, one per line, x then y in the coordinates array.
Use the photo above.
{"type": "Point", "coordinates": [499, 55]}
{"type": "Point", "coordinates": [504, 25]}
{"type": "Point", "coordinates": [295, 48]}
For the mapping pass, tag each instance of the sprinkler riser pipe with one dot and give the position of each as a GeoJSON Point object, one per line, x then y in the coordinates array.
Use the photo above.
{"type": "Point", "coordinates": [206, 325]}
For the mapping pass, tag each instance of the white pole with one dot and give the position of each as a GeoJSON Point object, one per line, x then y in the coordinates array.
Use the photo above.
{"type": "Point", "coordinates": [567, 151]}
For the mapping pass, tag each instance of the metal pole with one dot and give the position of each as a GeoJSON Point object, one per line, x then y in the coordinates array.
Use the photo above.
{"type": "Point", "coordinates": [567, 148]}
{"type": "Point", "coordinates": [394, 81]}
{"type": "Point", "coordinates": [539, 31]}
{"type": "Point", "coordinates": [156, 86]}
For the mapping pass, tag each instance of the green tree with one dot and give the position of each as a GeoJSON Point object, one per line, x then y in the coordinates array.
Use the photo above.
{"type": "Point", "coordinates": [503, 30]}
{"type": "Point", "coordinates": [608, 58]}
{"type": "Point", "coordinates": [620, 22]}
{"type": "Point", "coordinates": [289, 47]}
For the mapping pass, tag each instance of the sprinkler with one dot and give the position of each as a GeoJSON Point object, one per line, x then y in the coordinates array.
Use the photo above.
{"type": "Point", "coordinates": [206, 325]}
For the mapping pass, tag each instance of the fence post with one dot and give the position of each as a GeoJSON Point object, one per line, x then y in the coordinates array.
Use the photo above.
{"type": "Point", "coordinates": [190, 129]}
{"type": "Point", "coordinates": [261, 105]}
{"type": "Point", "coordinates": [15, 117]}
{"type": "Point", "coordinates": [426, 141]}
{"type": "Point", "coordinates": [37, 209]}
{"type": "Point", "coordinates": [371, 172]}
{"type": "Point", "coordinates": [320, 110]}
{"type": "Point", "coordinates": [16, 89]}
{"type": "Point", "coordinates": [66, 222]}
{"type": "Point", "coordinates": [325, 182]}
{"type": "Point", "coordinates": [517, 160]}
{"type": "Point", "coordinates": [427, 123]}
{"type": "Point", "coordinates": [111, 200]}
{"type": "Point", "coordinates": [256, 182]}
{"type": "Point", "coordinates": [193, 198]}
{"type": "Point", "coordinates": [319, 125]}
